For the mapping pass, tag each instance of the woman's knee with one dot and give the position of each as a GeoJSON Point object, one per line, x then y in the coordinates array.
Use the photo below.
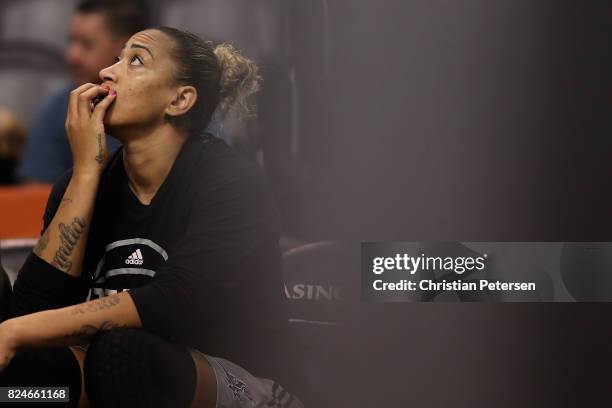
{"type": "Point", "coordinates": [116, 367]}
{"type": "Point", "coordinates": [116, 353]}
{"type": "Point", "coordinates": [127, 367]}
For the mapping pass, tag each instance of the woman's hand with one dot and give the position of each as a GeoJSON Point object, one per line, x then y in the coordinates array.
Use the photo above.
{"type": "Point", "coordinates": [8, 346]}
{"type": "Point", "coordinates": [85, 128]}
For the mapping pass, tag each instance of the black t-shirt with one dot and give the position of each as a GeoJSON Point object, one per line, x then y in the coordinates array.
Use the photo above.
{"type": "Point", "coordinates": [201, 261]}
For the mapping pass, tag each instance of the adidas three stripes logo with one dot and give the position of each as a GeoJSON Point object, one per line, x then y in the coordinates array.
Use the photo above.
{"type": "Point", "coordinates": [135, 258]}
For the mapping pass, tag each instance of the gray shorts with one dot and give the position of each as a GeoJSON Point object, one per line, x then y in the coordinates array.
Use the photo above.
{"type": "Point", "coordinates": [236, 388]}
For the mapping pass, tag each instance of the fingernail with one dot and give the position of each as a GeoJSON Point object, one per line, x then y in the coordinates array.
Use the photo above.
{"type": "Point", "coordinates": [106, 88]}
{"type": "Point", "coordinates": [113, 93]}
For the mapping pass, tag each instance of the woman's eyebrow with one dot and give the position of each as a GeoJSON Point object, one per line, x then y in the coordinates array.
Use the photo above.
{"type": "Point", "coordinates": [143, 47]}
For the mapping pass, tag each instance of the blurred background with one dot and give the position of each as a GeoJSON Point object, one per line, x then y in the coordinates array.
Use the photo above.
{"type": "Point", "coordinates": [403, 120]}
{"type": "Point", "coordinates": [414, 120]}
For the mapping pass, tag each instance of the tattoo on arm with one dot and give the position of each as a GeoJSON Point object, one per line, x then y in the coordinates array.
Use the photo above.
{"type": "Point", "coordinates": [42, 243]}
{"type": "Point", "coordinates": [69, 237]}
{"type": "Point", "coordinates": [97, 305]}
{"type": "Point", "coordinates": [87, 331]}
{"type": "Point", "coordinates": [44, 239]}
{"type": "Point", "coordinates": [101, 153]}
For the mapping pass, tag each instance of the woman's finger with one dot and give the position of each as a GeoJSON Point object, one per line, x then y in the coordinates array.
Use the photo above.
{"type": "Point", "coordinates": [74, 98]}
{"type": "Point", "coordinates": [85, 98]}
{"type": "Point", "coordinates": [102, 106]}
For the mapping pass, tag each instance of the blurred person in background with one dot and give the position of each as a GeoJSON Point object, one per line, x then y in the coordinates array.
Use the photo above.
{"type": "Point", "coordinates": [98, 30]}
{"type": "Point", "coordinates": [12, 138]}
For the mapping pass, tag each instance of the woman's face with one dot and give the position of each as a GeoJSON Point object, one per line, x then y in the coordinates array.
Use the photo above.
{"type": "Point", "coordinates": [142, 77]}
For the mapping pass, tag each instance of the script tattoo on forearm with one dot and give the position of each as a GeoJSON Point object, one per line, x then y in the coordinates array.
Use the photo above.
{"type": "Point", "coordinates": [101, 154]}
{"type": "Point", "coordinates": [97, 305]}
{"type": "Point", "coordinates": [87, 331]}
{"type": "Point", "coordinates": [42, 243]}
{"type": "Point", "coordinates": [69, 237]}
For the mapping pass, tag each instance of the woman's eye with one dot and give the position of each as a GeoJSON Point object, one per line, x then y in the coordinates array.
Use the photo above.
{"type": "Point", "coordinates": [136, 60]}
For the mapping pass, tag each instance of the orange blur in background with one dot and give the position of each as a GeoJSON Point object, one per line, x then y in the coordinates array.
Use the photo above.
{"type": "Point", "coordinates": [22, 209]}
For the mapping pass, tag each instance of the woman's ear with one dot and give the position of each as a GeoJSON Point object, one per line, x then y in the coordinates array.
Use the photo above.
{"type": "Point", "coordinates": [184, 100]}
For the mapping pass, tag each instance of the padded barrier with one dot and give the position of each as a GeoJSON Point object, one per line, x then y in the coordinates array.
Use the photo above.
{"type": "Point", "coordinates": [321, 285]}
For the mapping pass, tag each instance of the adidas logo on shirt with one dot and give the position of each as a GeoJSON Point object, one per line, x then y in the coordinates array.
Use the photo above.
{"type": "Point", "coordinates": [135, 258]}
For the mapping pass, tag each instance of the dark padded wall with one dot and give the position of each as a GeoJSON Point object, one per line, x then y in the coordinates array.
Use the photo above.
{"type": "Point", "coordinates": [460, 120]}
{"type": "Point", "coordinates": [469, 120]}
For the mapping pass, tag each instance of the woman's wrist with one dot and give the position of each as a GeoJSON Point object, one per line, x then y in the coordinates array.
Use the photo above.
{"type": "Point", "coordinates": [10, 332]}
{"type": "Point", "coordinates": [86, 176]}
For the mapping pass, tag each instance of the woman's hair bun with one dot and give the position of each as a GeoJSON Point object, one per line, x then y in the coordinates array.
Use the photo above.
{"type": "Point", "coordinates": [239, 79]}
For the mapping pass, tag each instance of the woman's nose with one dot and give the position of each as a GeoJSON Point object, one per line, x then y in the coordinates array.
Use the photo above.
{"type": "Point", "coordinates": [107, 74]}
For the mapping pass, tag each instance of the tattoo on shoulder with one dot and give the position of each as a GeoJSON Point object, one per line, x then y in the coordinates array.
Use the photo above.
{"type": "Point", "coordinates": [69, 238]}
{"type": "Point", "coordinates": [96, 305]}
{"type": "Point", "coordinates": [42, 243]}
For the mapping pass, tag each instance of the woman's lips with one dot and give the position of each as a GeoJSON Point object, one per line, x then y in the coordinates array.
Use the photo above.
{"type": "Point", "coordinates": [99, 98]}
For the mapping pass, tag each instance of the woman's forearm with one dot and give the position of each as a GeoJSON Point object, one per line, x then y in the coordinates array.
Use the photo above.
{"type": "Point", "coordinates": [63, 242]}
{"type": "Point", "coordinates": [74, 324]}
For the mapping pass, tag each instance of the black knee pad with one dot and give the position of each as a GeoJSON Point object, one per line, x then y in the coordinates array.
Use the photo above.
{"type": "Point", "coordinates": [133, 368]}
{"type": "Point", "coordinates": [50, 367]}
